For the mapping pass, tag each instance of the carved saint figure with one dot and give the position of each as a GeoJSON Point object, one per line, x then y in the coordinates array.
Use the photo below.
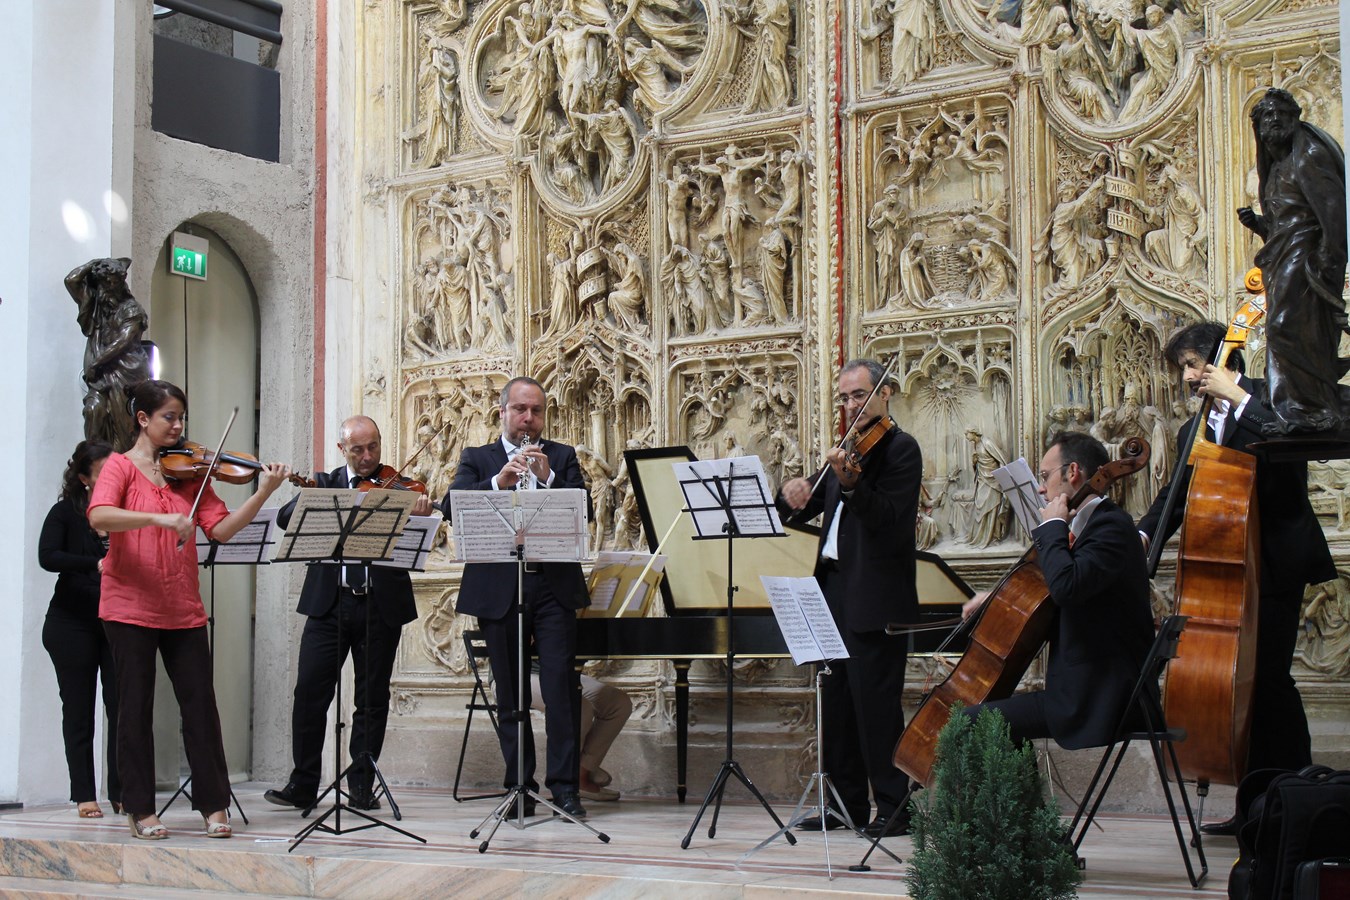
{"type": "Point", "coordinates": [988, 521]}
{"type": "Point", "coordinates": [1160, 46]}
{"type": "Point", "coordinates": [769, 26]}
{"type": "Point", "coordinates": [114, 360]}
{"type": "Point", "coordinates": [732, 168]}
{"type": "Point", "coordinates": [1179, 244]}
{"type": "Point", "coordinates": [915, 285]}
{"type": "Point", "coordinates": [600, 478]}
{"type": "Point", "coordinates": [618, 136]}
{"type": "Point", "coordinates": [1302, 177]}
{"type": "Point", "coordinates": [885, 221]}
{"type": "Point", "coordinates": [913, 26]}
{"type": "Point", "coordinates": [626, 297]}
{"type": "Point", "coordinates": [991, 269]}
{"type": "Point", "coordinates": [773, 264]}
{"type": "Point", "coordinates": [1074, 239]}
{"type": "Point", "coordinates": [562, 309]}
{"type": "Point", "coordinates": [438, 100]}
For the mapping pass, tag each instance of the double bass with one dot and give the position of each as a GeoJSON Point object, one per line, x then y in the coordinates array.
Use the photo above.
{"type": "Point", "coordinates": [1010, 629]}
{"type": "Point", "coordinates": [1208, 689]}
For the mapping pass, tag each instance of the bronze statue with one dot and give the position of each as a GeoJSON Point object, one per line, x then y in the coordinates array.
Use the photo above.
{"type": "Point", "coordinates": [114, 360]}
{"type": "Point", "coordinates": [1302, 192]}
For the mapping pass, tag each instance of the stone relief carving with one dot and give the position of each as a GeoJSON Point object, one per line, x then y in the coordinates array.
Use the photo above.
{"type": "Point", "coordinates": [1325, 643]}
{"type": "Point", "coordinates": [434, 137]}
{"type": "Point", "coordinates": [912, 26]}
{"type": "Point", "coordinates": [766, 26]}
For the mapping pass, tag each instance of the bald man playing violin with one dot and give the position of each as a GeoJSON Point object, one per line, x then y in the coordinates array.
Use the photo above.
{"type": "Point", "coordinates": [1094, 566]}
{"type": "Point", "coordinates": [335, 599]}
{"type": "Point", "coordinates": [866, 570]}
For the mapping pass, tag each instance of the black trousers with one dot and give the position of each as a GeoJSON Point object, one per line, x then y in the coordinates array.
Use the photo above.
{"type": "Point", "coordinates": [1024, 712]}
{"type": "Point", "coordinates": [553, 630]}
{"type": "Point", "coordinates": [863, 717]}
{"type": "Point", "coordinates": [187, 660]}
{"type": "Point", "coordinates": [81, 656]}
{"type": "Point", "coordinates": [1279, 736]}
{"type": "Point", "coordinates": [324, 645]}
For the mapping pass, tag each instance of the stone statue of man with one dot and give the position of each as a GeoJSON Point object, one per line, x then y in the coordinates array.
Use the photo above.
{"type": "Point", "coordinates": [114, 360]}
{"type": "Point", "coordinates": [1302, 189]}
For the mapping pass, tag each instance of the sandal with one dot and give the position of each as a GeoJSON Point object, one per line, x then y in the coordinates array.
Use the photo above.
{"type": "Point", "coordinates": [156, 832]}
{"type": "Point", "coordinates": [89, 812]}
{"type": "Point", "coordinates": [218, 829]}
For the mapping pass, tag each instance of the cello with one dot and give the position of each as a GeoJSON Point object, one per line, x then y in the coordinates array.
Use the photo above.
{"type": "Point", "coordinates": [1208, 689]}
{"type": "Point", "coordinates": [1005, 636]}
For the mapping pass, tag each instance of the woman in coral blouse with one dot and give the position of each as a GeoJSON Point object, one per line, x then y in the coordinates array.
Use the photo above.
{"type": "Point", "coordinates": [150, 602]}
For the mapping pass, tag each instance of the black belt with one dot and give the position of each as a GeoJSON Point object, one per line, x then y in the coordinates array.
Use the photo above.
{"type": "Point", "coordinates": [355, 592]}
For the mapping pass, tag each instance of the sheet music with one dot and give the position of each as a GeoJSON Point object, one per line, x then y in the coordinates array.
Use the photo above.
{"type": "Point", "coordinates": [1018, 483]}
{"type": "Point", "coordinates": [414, 544]}
{"type": "Point", "coordinates": [251, 544]}
{"type": "Point", "coordinates": [613, 577]}
{"type": "Point", "coordinates": [750, 500]}
{"type": "Point", "coordinates": [380, 514]}
{"type": "Point", "coordinates": [804, 618]}
{"type": "Point", "coordinates": [485, 525]}
{"type": "Point", "coordinates": [322, 514]}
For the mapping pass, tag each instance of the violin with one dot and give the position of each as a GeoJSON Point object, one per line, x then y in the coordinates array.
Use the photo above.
{"type": "Point", "coordinates": [387, 478]}
{"type": "Point", "coordinates": [860, 440]}
{"type": "Point", "coordinates": [189, 460]}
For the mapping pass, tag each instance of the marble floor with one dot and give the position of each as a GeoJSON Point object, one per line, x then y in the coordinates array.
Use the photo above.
{"type": "Point", "coordinates": [48, 851]}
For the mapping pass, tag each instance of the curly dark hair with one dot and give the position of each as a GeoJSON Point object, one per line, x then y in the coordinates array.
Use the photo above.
{"type": "Point", "coordinates": [81, 462]}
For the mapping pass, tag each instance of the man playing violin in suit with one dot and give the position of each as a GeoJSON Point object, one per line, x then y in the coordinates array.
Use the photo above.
{"type": "Point", "coordinates": [554, 592]}
{"type": "Point", "coordinates": [1294, 551]}
{"type": "Point", "coordinates": [866, 569]}
{"type": "Point", "coordinates": [1095, 570]}
{"type": "Point", "coordinates": [334, 598]}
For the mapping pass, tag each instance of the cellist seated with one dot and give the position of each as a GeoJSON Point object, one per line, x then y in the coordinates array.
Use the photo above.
{"type": "Point", "coordinates": [1094, 566]}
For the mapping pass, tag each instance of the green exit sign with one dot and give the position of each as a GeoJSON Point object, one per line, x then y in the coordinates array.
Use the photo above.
{"type": "Point", "coordinates": [189, 262]}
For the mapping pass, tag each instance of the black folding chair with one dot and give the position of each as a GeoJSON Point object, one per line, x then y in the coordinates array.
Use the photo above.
{"type": "Point", "coordinates": [475, 648]}
{"type": "Point", "coordinates": [1146, 702]}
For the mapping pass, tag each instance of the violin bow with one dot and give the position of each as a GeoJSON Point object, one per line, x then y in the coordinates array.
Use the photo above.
{"type": "Point", "coordinates": [215, 463]}
{"type": "Point", "coordinates": [412, 459]}
{"type": "Point", "coordinates": [852, 425]}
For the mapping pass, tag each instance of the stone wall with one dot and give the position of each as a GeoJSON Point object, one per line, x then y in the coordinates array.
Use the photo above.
{"type": "Point", "coordinates": [679, 215]}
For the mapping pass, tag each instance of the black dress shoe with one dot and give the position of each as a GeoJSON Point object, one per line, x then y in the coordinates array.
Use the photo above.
{"type": "Point", "coordinates": [888, 826]}
{"type": "Point", "coordinates": [813, 823]}
{"type": "Point", "coordinates": [291, 796]}
{"type": "Point", "coordinates": [570, 803]}
{"type": "Point", "coordinates": [512, 813]}
{"type": "Point", "coordinates": [1227, 828]}
{"type": "Point", "coordinates": [362, 798]}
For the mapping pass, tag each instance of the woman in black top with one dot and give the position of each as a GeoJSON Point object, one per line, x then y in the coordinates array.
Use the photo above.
{"type": "Point", "coordinates": [73, 634]}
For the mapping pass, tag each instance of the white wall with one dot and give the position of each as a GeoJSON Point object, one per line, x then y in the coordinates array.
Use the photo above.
{"type": "Point", "coordinates": [64, 177]}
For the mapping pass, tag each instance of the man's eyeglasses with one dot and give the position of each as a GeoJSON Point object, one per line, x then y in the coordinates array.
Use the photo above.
{"type": "Point", "coordinates": [858, 396]}
{"type": "Point", "coordinates": [1045, 476]}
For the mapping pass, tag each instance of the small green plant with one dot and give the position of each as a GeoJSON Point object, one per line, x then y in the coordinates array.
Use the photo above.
{"type": "Point", "coordinates": [983, 830]}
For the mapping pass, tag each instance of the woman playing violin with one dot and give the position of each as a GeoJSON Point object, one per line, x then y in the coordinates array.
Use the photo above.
{"type": "Point", "coordinates": [866, 569]}
{"type": "Point", "coordinates": [150, 602]}
{"type": "Point", "coordinates": [1098, 580]}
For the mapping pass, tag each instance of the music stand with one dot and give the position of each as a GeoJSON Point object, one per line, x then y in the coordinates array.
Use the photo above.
{"type": "Point", "coordinates": [248, 547]}
{"type": "Point", "coordinates": [345, 527]}
{"type": "Point", "coordinates": [808, 627]}
{"type": "Point", "coordinates": [729, 499]}
{"type": "Point", "coordinates": [520, 526]}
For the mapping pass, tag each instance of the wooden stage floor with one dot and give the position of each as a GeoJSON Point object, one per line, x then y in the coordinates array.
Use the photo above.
{"type": "Point", "coordinates": [49, 852]}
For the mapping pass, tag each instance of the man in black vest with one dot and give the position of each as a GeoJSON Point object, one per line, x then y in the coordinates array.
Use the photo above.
{"type": "Point", "coordinates": [518, 460]}
{"type": "Point", "coordinates": [866, 569]}
{"type": "Point", "coordinates": [1294, 551]}
{"type": "Point", "coordinates": [335, 599]}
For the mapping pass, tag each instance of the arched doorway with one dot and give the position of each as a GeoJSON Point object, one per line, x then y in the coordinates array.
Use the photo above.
{"type": "Point", "coordinates": [208, 340]}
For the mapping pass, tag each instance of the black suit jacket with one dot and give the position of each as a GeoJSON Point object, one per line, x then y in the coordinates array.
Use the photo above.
{"type": "Point", "coordinates": [488, 589]}
{"type": "Point", "coordinates": [1293, 548]}
{"type": "Point", "coordinates": [876, 534]}
{"type": "Point", "coordinates": [1104, 624]}
{"type": "Point", "coordinates": [390, 589]}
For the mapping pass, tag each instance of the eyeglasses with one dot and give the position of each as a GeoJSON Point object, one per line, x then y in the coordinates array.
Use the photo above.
{"type": "Point", "coordinates": [858, 396]}
{"type": "Point", "coordinates": [1045, 476]}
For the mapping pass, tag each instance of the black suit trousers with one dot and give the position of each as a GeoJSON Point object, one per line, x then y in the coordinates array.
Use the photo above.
{"type": "Point", "coordinates": [324, 646]}
{"type": "Point", "coordinates": [1279, 736]}
{"type": "Point", "coordinates": [862, 719]}
{"type": "Point", "coordinates": [552, 628]}
{"type": "Point", "coordinates": [81, 655]}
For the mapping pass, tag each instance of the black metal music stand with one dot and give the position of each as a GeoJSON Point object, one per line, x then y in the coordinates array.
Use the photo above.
{"type": "Point", "coordinates": [325, 532]}
{"type": "Point", "coordinates": [516, 530]}
{"type": "Point", "coordinates": [743, 508]}
{"type": "Point", "coordinates": [248, 547]}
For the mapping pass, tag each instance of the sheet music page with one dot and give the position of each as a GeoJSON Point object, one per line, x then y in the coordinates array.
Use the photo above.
{"type": "Point", "coordinates": [804, 618]}
{"type": "Point", "coordinates": [321, 512]}
{"type": "Point", "coordinates": [613, 577]}
{"type": "Point", "coordinates": [251, 544]}
{"type": "Point", "coordinates": [750, 497]}
{"type": "Point", "coordinates": [485, 524]}
{"type": "Point", "coordinates": [1018, 483]}
{"type": "Point", "coordinates": [414, 544]}
{"type": "Point", "coordinates": [376, 525]}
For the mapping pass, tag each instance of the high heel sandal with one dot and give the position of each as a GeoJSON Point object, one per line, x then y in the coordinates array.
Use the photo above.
{"type": "Point", "coordinates": [218, 829]}
{"type": "Point", "coordinates": [156, 832]}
